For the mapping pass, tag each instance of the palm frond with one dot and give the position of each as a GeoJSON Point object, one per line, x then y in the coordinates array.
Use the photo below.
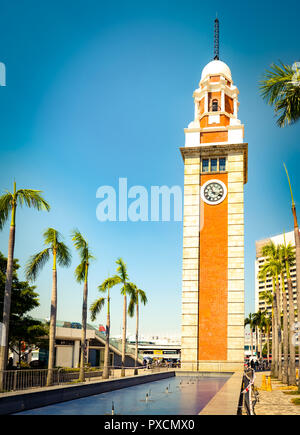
{"type": "Point", "coordinates": [131, 306]}
{"type": "Point", "coordinates": [122, 270]}
{"type": "Point", "coordinates": [79, 242]}
{"type": "Point", "coordinates": [32, 198]}
{"type": "Point", "coordinates": [64, 255]}
{"type": "Point", "coordinates": [266, 296]}
{"type": "Point", "coordinates": [109, 282]}
{"type": "Point", "coordinates": [36, 263]}
{"type": "Point", "coordinates": [82, 246]}
{"type": "Point", "coordinates": [289, 181]}
{"type": "Point", "coordinates": [96, 307]}
{"type": "Point", "coordinates": [80, 272]}
{"type": "Point", "coordinates": [142, 296]}
{"type": "Point", "coordinates": [51, 236]}
{"type": "Point", "coordinates": [281, 88]}
{"type": "Point", "coordinates": [5, 207]}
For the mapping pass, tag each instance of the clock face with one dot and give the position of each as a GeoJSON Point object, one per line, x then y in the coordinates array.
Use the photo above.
{"type": "Point", "coordinates": [213, 192]}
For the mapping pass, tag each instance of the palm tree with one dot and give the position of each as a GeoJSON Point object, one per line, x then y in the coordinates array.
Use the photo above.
{"type": "Point", "coordinates": [250, 321]}
{"type": "Point", "coordinates": [123, 279]}
{"type": "Point", "coordinates": [297, 245]}
{"type": "Point", "coordinates": [281, 89]}
{"type": "Point", "coordinates": [81, 275]}
{"type": "Point", "coordinates": [285, 328]}
{"type": "Point", "coordinates": [268, 329]}
{"type": "Point", "coordinates": [136, 295]}
{"type": "Point", "coordinates": [258, 320]}
{"type": "Point", "coordinates": [95, 309]}
{"type": "Point", "coordinates": [272, 268]}
{"type": "Point", "coordinates": [268, 322]}
{"type": "Point", "coordinates": [61, 255]}
{"type": "Point", "coordinates": [8, 203]}
{"type": "Point", "coordinates": [288, 257]}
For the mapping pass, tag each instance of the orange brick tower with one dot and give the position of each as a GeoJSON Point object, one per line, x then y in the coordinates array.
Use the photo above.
{"type": "Point", "coordinates": [215, 160]}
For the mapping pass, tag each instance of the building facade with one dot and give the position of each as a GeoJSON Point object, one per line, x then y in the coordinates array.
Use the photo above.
{"type": "Point", "coordinates": [262, 286]}
{"type": "Point", "coordinates": [215, 171]}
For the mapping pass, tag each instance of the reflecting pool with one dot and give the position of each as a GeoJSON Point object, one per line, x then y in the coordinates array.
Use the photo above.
{"type": "Point", "coordinates": [178, 395]}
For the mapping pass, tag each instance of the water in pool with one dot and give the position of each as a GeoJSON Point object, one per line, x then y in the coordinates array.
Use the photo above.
{"type": "Point", "coordinates": [178, 395]}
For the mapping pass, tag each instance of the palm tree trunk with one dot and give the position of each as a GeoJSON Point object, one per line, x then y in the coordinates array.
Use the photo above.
{"type": "Point", "coordinates": [275, 337]}
{"type": "Point", "coordinates": [124, 335]}
{"type": "Point", "coordinates": [136, 336]}
{"type": "Point", "coordinates": [285, 375]}
{"type": "Point", "coordinates": [279, 374]}
{"type": "Point", "coordinates": [268, 347]}
{"type": "Point", "coordinates": [292, 360]}
{"type": "Point", "coordinates": [7, 298]}
{"type": "Point", "coordinates": [260, 342]}
{"type": "Point", "coordinates": [256, 341]}
{"type": "Point", "coordinates": [52, 331]}
{"type": "Point", "coordinates": [251, 339]}
{"type": "Point", "coordinates": [105, 374]}
{"type": "Point", "coordinates": [297, 245]}
{"type": "Point", "coordinates": [83, 330]}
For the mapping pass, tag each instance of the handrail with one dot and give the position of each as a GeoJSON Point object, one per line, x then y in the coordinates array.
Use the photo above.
{"type": "Point", "coordinates": [249, 395]}
{"type": "Point", "coordinates": [24, 379]}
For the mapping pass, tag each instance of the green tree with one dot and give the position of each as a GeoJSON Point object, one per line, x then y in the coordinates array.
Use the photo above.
{"type": "Point", "coordinates": [29, 331]}
{"type": "Point", "coordinates": [24, 299]}
{"type": "Point", "coordinates": [81, 275]}
{"type": "Point", "coordinates": [297, 245]}
{"type": "Point", "coordinates": [96, 308]}
{"type": "Point", "coordinates": [280, 87]}
{"type": "Point", "coordinates": [122, 278]}
{"type": "Point", "coordinates": [61, 255]}
{"type": "Point", "coordinates": [8, 204]}
{"type": "Point", "coordinates": [272, 268]}
{"type": "Point", "coordinates": [137, 295]}
{"type": "Point", "coordinates": [288, 259]}
{"type": "Point", "coordinates": [269, 321]}
{"type": "Point", "coordinates": [258, 320]}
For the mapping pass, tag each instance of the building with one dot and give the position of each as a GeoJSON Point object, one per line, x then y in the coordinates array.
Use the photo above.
{"type": "Point", "coordinates": [261, 286]}
{"type": "Point", "coordinates": [67, 347]}
{"type": "Point", "coordinates": [215, 171]}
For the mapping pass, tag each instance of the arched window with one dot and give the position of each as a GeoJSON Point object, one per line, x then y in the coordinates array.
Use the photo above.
{"type": "Point", "coordinates": [214, 105]}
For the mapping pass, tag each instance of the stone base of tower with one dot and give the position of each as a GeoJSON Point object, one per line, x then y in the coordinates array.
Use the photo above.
{"type": "Point", "coordinates": [212, 366]}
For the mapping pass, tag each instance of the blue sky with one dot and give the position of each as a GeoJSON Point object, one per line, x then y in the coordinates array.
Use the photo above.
{"type": "Point", "coordinates": [101, 90]}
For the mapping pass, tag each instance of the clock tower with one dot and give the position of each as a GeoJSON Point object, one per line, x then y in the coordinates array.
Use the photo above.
{"type": "Point", "coordinates": [215, 171]}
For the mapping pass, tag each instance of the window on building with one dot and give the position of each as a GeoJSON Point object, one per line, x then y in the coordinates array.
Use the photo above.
{"type": "Point", "coordinates": [214, 105]}
{"type": "Point", "coordinates": [222, 164]}
{"type": "Point", "coordinates": [205, 165]}
{"type": "Point", "coordinates": [214, 165]}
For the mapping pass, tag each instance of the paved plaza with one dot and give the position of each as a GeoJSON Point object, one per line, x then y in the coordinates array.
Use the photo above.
{"type": "Point", "coordinates": [275, 402]}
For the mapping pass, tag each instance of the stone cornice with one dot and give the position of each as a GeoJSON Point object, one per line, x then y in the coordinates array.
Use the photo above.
{"type": "Point", "coordinates": [214, 128]}
{"type": "Point", "coordinates": [216, 87]}
{"type": "Point", "coordinates": [218, 150]}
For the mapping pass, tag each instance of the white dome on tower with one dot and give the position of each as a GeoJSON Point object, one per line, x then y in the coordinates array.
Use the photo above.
{"type": "Point", "coordinates": [216, 67]}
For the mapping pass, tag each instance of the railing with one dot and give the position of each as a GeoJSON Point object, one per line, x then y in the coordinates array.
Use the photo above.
{"type": "Point", "coordinates": [249, 394]}
{"type": "Point", "coordinates": [18, 380]}
{"type": "Point", "coordinates": [129, 349]}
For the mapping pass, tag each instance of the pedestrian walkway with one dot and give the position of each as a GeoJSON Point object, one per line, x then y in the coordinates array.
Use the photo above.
{"type": "Point", "coordinates": [275, 402]}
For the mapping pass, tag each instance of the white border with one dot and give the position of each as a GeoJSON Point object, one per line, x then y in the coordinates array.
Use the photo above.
{"type": "Point", "coordinates": [215, 180]}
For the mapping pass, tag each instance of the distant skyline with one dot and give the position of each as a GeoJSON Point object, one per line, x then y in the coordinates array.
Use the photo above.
{"type": "Point", "coordinates": [97, 91]}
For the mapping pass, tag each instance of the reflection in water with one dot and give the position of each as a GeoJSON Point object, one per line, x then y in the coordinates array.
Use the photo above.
{"type": "Point", "coordinates": [190, 395]}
